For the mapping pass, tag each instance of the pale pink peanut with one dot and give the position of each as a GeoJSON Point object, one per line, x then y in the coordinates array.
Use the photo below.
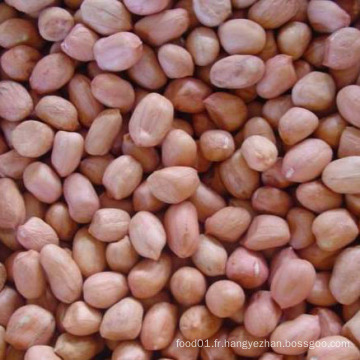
{"type": "Point", "coordinates": [182, 229]}
{"type": "Point", "coordinates": [12, 205]}
{"type": "Point", "coordinates": [123, 320]}
{"type": "Point", "coordinates": [67, 151]}
{"type": "Point", "coordinates": [10, 301]}
{"type": "Point", "coordinates": [262, 314]}
{"type": "Point", "coordinates": [41, 352]}
{"type": "Point", "coordinates": [279, 77]}
{"type": "Point", "coordinates": [330, 322]}
{"type": "Point", "coordinates": [130, 349]}
{"type": "Point", "coordinates": [154, 29]}
{"type": "Point", "coordinates": [217, 145]}
{"type": "Point", "coordinates": [259, 126]}
{"type": "Point", "coordinates": [151, 120]}
{"type": "Point", "coordinates": [55, 23]}
{"type": "Point", "coordinates": [143, 7]}
{"type": "Point", "coordinates": [12, 165]}
{"type": "Point", "coordinates": [210, 256]}
{"type": "Point", "coordinates": [237, 71]}
{"type": "Point", "coordinates": [259, 152]}
{"type": "Point", "coordinates": [88, 253]}
{"type": "Point", "coordinates": [203, 45]}
{"type": "Point", "coordinates": [214, 351]}
{"type": "Point", "coordinates": [227, 111]}
{"type": "Point", "coordinates": [148, 277]}
{"type": "Point", "coordinates": [305, 328]}
{"type": "Point", "coordinates": [80, 197]}
{"type": "Point", "coordinates": [349, 142]}
{"type": "Point", "coordinates": [112, 91]}
{"type": "Point", "coordinates": [279, 258]}
{"type": "Point", "coordinates": [267, 231]}
{"type": "Point", "coordinates": [81, 320]}
{"type": "Point", "coordinates": [35, 233]}
{"type": "Point", "coordinates": [118, 52]}
{"type": "Point", "coordinates": [342, 175]}
{"type": "Point", "coordinates": [188, 286]}
{"type": "Point", "coordinates": [320, 294]}
{"type": "Point", "coordinates": [79, 43]}
{"type": "Point", "coordinates": [174, 184]}
{"type": "Point", "coordinates": [274, 109]}
{"type": "Point", "coordinates": [51, 73]}
{"type": "Point", "coordinates": [122, 176]}
{"type": "Point", "coordinates": [114, 284]}
{"type": "Point", "coordinates": [30, 325]}
{"type": "Point", "coordinates": [197, 322]}
{"type": "Point", "coordinates": [147, 235]}
{"type": "Point", "coordinates": [62, 272]}
{"type": "Point", "coordinates": [121, 255]}
{"type": "Point", "coordinates": [292, 282]}
{"type": "Point", "coordinates": [144, 200]}
{"type": "Point", "coordinates": [306, 160]}
{"type": "Point", "coordinates": [28, 274]}
{"type": "Point", "coordinates": [297, 124]}
{"type": "Point", "coordinates": [106, 17]}
{"type": "Point", "coordinates": [32, 138]}
{"type": "Point", "coordinates": [213, 12]}
{"type": "Point", "coordinates": [159, 326]}
{"type": "Point", "coordinates": [29, 7]}
{"type": "Point", "coordinates": [347, 103]}
{"type": "Point", "coordinates": [300, 222]}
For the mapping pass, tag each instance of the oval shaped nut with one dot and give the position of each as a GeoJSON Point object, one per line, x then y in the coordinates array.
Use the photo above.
{"type": "Point", "coordinates": [32, 138]}
{"type": "Point", "coordinates": [102, 132]}
{"type": "Point", "coordinates": [259, 152]}
{"type": "Point", "coordinates": [210, 257]}
{"type": "Point", "coordinates": [106, 17]}
{"type": "Point", "coordinates": [28, 7]}
{"type": "Point", "coordinates": [327, 17]}
{"type": "Point", "coordinates": [272, 14]}
{"type": "Point", "coordinates": [174, 184]}
{"type": "Point", "coordinates": [203, 45]}
{"type": "Point", "coordinates": [147, 235]}
{"type": "Point", "coordinates": [237, 177]}
{"type": "Point", "coordinates": [306, 160]}
{"type": "Point", "coordinates": [151, 120]}
{"type": "Point", "coordinates": [118, 52]}
{"type": "Point", "coordinates": [344, 285]}
{"type": "Point", "coordinates": [40, 180]}
{"type": "Point", "coordinates": [242, 36]}
{"type": "Point", "coordinates": [347, 102]}
{"type": "Point", "coordinates": [188, 286]}
{"type": "Point", "coordinates": [29, 277]}
{"type": "Point", "coordinates": [262, 314]}
{"type": "Point", "coordinates": [330, 238]}
{"type": "Point", "coordinates": [81, 320]}
{"type": "Point", "coordinates": [148, 277]}
{"type": "Point", "coordinates": [122, 176]}
{"type": "Point", "coordinates": [342, 49]}
{"type": "Point", "coordinates": [144, 200]}
{"type": "Point", "coordinates": [130, 350]}
{"type": "Point", "coordinates": [112, 91]}
{"type": "Point", "coordinates": [51, 73]}
{"type": "Point", "coordinates": [224, 298]}
{"type": "Point", "coordinates": [155, 30]}
{"type": "Point", "coordinates": [12, 165]}
{"type": "Point", "coordinates": [79, 43]}
{"type": "Point", "coordinates": [292, 282]}
{"type": "Point", "coordinates": [349, 142]}
{"type": "Point", "coordinates": [109, 225]}
{"type": "Point", "coordinates": [320, 294]}
{"type": "Point", "coordinates": [197, 322]}
{"type": "Point", "coordinates": [15, 101]}
{"type": "Point", "coordinates": [217, 145]}
{"type": "Point", "coordinates": [237, 71]}
{"type": "Point", "coordinates": [112, 283]}
{"type": "Point", "coordinates": [12, 205]}
{"type": "Point", "coordinates": [30, 325]}
{"type": "Point", "coordinates": [347, 349]}
{"type": "Point", "coordinates": [305, 328]}
{"type": "Point", "coordinates": [143, 7]}
{"type": "Point", "coordinates": [342, 175]}
{"type": "Point", "coordinates": [315, 91]}
{"type": "Point", "coordinates": [266, 232]}
{"type": "Point", "coordinates": [123, 320]}
{"type": "Point", "coordinates": [57, 112]}
{"type": "Point", "coordinates": [297, 124]}
{"type": "Point", "coordinates": [41, 352]}
{"type": "Point", "coordinates": [175, 61]}
{"type": "Point", "coordinates": [228, 224]}
{"type": "Point", "coordinates": [182, 229]}
{"type": "Point", "coordinates": [212, 13]}
{"type": "Point", "coordinates": [159, 326]}
{"type": "Point", "coordinates": [35, 234]}
{"type": "Point", "coordinates": [10, 301]}
{"type": "Point", "coordinates": [279, 77]}
{"type": "Point", "coordinates": [67, 152]}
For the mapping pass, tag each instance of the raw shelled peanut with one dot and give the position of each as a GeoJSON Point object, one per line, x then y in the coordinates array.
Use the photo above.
{"type": "Point", "coordinates": [179, 179]}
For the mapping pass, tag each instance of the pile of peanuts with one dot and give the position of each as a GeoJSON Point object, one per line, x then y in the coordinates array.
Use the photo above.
{"type": "Point", "coordinates": [179, 172]}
